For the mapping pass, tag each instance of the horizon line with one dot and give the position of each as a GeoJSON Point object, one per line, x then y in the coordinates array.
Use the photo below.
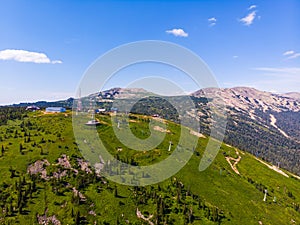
{"type": "Point", "coordinates": [187, 93]}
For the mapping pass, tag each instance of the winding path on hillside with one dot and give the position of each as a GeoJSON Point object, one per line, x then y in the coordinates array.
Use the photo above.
{"type": "Point", "coordinates": [236, 161]}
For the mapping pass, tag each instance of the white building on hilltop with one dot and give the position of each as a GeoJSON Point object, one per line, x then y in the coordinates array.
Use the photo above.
{"type": "Point", "coordinates": [55, 109]}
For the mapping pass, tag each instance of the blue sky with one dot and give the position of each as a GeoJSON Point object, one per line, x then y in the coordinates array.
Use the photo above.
{"type": "Point", "coordinates": [46, 46]}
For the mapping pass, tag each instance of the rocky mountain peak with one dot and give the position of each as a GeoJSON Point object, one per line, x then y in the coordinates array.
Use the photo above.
{"type": "Point", "coordinates": [246, 99]}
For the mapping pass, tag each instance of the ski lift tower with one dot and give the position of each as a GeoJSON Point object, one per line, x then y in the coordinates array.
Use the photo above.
{"type": "Point", "coordinates": [170, 144]}
{"type": "Point", "coordinates": [79, 103]}
{"type": "Point", "coordinates": [265, 197]}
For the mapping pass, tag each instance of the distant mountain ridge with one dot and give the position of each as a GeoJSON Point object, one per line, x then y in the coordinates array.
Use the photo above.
{"type": "Point", "coordinates": [262, 123]}
{"type": "Point", "coordinates": [233, 97]}
{"type": "Point", "coordinates": [68, 103]}
{"type": "Point", "coordinates": [246, 98]}
{"type": "Point", "coordinates": [293, 95]}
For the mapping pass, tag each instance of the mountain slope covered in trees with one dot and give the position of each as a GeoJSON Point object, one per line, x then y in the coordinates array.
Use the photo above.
{"type": "Point", "coordinates": [262, 123]}
{"type": "Point", "coordinates": [45, 178]}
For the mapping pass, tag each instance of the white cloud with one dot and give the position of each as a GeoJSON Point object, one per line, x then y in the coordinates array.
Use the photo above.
{"type": "Point", "coordinates": [56, 61]}
{"type": "Point", "coordinates": [235, 56]}
{"type": "Point", "coordinates": [212, 21]}
{"type": "Point", "coordinates": [248, 20]}
{"type": "Point", "coordinates": [294, 56]}
{"type": "Point", "coordinates": [26, 56]}
{"type": "Point", "coordinates": [252, 7]}
{"type": "Point", "coordinates": [178, 32]}
{"type": "Point", "coordinates": [286, 71]}
{"type": "Point", "coordinates": [291, 52]}
{"type": "Point", "coordinates": [284, 79]}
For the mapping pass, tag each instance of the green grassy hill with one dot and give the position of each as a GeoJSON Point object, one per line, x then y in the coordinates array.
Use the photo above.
{"type": "Point", "coordinates": [43, 174]}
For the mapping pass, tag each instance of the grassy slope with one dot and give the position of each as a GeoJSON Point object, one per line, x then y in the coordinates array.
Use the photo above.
{"type": "Point", "coordinates": [240, 196]}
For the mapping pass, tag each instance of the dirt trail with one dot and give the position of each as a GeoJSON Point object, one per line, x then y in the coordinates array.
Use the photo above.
{"type": "Point", "coordinates": [295, 176]}
{"type": "Point", "coordinates": [197, 134]}
{"type": "Point", "coordinates": [141, 216]}
{"type": "Point", "coordinates": [236, 161]}
{"type": "Point", "coordinates": [160, 129]}
{"type": "Point", "coordinates": [275, 168]}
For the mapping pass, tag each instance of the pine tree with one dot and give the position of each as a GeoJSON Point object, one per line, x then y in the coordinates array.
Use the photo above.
{"type": "Point", "coordinates": [20, 209]}
{"type": "Point", "coordinates": [190, 215]}
{"type": "Point", "coordinates": [77, 218]}
{"type": "Point", "coordinates": [116, 192]}
{"type": "Point", "coordinates": [33, 185]}
{"type": "Point", "coordinates": [24, 181]}
{"type": "Point", "coordinates": [29, 190]}
{"type": "Point", "coordinates": [12, 172]}
{"type": "Point", "coordinates": [6, 211]}
{"type": "Point", "coordinates": [11, 209]}
{"type": "Point", "coordinates": [21, 148]}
